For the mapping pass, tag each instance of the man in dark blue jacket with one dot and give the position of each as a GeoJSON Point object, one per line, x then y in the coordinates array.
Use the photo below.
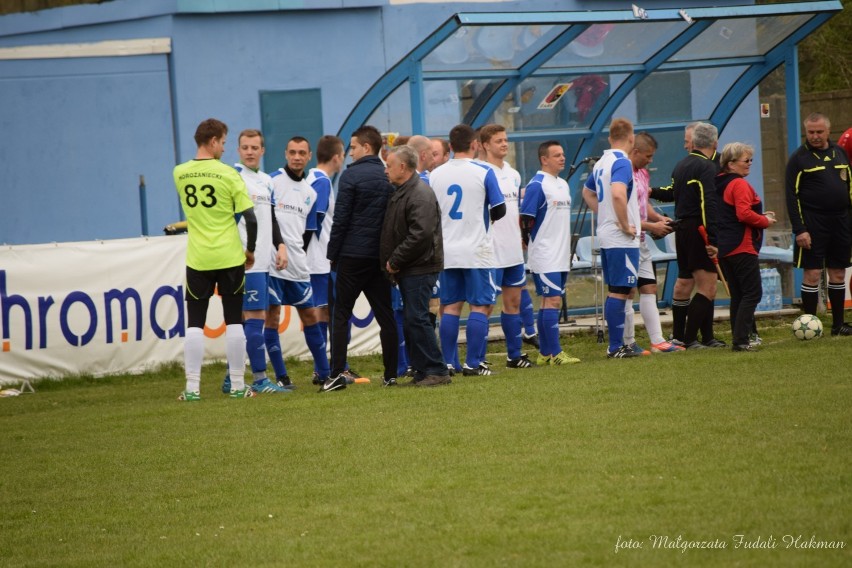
{"type": "Point", "coordinates": [353, 249]}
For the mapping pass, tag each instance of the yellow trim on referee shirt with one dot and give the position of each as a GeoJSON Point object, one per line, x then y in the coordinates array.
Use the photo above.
{"type": "Point", "coordinates": [701, 193]}
{"type": "Point", "coordinates": [798, 201]}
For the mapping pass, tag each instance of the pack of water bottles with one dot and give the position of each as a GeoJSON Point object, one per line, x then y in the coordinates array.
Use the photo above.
{"type": "Point", "coordinates": [770, 280]}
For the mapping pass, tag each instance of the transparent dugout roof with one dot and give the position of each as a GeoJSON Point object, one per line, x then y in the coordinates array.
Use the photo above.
{"type": "Point", "coordinates": [616, 44]}
{"type": "Point", "coordinates": [566, 74]}
{"type": "Point", "coordinates": [741, 37]}
{"type": "Point", "coordinates": [489, 47]}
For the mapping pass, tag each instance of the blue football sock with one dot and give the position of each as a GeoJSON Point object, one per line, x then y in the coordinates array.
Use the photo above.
{"type": "Point", "coordinates": [614, 310]}
{"type": "Point", "coordinates": [476, 332]}
{"type": "Point", "coordinates": [550, 328]}
{"type": "Point", "coordinates": [273, 348]}
{"type": "Point", "coordinates": [527, 314]}
{"type": "Point", "coordinates": [316, 343]}
{"type": "Point", "coordinates": [450, 339]}
{"type": "Point", "coordinates": [254, 345]}
{"type": "Point", "coordinates": [512, 330]}
{"type": "Point", "coordinates": [324, 329]}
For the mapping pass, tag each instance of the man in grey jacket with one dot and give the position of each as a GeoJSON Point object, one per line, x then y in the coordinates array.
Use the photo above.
{"type": "Point", "coordinates": [412, 252]}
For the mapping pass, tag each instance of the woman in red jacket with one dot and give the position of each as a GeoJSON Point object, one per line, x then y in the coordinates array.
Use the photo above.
{"type": "Point", "coordinates": [740, 233]}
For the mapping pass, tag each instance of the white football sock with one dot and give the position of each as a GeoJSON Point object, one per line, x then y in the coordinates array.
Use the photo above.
{"type": "Point", "coordinates": [235, 351]}
{"type": "Point", "coordinates": [651, 317]}
{"type": "Point", "coordinates": [193, 354]}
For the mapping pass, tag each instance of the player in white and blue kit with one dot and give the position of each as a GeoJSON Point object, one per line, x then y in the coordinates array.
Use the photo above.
{"type": "Point", "coordinates": [330, 157]}
{"type": "Point", "coordinates": [546, 228]}
{"type": "Point", "coordinates": [270, 252]}
{"type": "Point", "coordinates": [511, 275]}
{"type": "Point", "coordinates": [609, 192]}
{"type": "Point", "coordinates": [470, 200]}
{"type": "Point", "coordinates": [295, 208]}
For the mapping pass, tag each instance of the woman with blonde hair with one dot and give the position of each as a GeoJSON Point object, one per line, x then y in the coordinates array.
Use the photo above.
{"type": "Point", "coordinates": [740, 235]}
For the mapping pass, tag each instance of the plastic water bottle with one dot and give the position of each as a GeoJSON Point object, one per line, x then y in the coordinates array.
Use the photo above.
{"type": "Point", "coordinates": [770, 290]}
{"type": "Point", "coordinates": [766, 299]}
{"type": "Point", "coordinates": [764, 284]}
{"type": "Point", "coordinates": [776, 289]}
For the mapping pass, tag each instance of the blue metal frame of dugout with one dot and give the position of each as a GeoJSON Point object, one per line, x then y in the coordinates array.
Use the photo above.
{"type": "Point", "coordinates": [674, 42]}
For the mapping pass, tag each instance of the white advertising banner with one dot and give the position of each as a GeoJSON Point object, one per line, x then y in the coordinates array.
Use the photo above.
{"type": "Point", "coordinates": [105, 307]}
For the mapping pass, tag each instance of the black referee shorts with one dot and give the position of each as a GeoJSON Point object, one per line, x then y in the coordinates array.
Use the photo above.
{"type": "Point", "coordinates": [831, 242]}
{"type": "Point", "coordinates": [691, 250]}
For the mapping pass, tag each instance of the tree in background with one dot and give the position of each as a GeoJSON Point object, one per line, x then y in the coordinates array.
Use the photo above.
{"type": "Point", "coordinates": [825, 56]}
{"type": "Point", "coordinates": [15, 6]}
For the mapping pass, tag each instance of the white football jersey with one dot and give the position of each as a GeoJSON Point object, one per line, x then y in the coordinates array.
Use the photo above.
{"type": "Point", "coordinates": [259, 186]}
{"type": "Point", "coordinates": [295, 210]}
{"type": "Point", "coordinates": [547, 199]}
{"type": "Point", "coordinates": [318, 247]}
{"type": "Point", "coordinates": [466, 190]}
{"type": "Point", "coordinates": [506, 232]}
{"type": "Point", "coordinates": [614, 167]}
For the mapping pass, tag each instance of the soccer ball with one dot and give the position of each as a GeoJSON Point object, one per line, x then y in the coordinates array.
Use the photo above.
{"type": "Point", "coordinates": [807, 327]}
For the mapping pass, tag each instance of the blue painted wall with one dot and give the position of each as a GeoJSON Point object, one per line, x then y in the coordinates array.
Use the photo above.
{"type": "Point", "coordinates": [77, 135]}
{"type": "Point", "coordinates": [267, 52]}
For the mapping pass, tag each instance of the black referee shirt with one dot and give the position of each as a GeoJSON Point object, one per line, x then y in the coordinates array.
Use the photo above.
{"type": "Point", "coordinates": [818, 181]}
{"type": "Point", "coordinates": [694, 188]}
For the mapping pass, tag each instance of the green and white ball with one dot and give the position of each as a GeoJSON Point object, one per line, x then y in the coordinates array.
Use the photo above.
{"type": "Point", "coordinates": [806, 327]}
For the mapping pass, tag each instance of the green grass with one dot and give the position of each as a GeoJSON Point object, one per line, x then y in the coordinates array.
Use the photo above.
{"type": "Point", "coordinates": [537, 467]}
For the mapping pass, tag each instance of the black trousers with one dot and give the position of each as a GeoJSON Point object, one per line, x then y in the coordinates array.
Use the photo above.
{"type": "Point", "coordinates": [356, 275]}
{"type": "Point", "coordinates": [743, 274]}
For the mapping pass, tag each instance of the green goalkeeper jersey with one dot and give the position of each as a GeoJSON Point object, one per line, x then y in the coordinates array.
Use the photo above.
{"type": "Point", "coordinates": [211, 193]}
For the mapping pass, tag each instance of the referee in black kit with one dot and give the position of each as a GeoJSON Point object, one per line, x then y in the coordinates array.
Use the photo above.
{"type": "Point", "coordinates": [693, 185]}
{"type": "Point", "coordinates": [819, 202]}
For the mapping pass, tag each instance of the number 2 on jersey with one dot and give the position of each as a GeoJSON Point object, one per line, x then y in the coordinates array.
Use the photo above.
{"type": "Point", "coordinates": [456, 190]}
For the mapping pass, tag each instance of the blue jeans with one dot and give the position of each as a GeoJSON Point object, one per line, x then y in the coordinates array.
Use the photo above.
{"type": "Point", "coordinates": [425, 354]}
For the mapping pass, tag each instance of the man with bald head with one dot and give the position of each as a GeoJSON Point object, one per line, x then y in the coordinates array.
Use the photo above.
{"type": "Point", "coordinates": [423, 147]}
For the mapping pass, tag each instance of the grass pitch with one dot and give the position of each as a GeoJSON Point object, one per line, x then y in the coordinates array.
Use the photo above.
{"type": "Point", "coordinates": [535, 467]}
